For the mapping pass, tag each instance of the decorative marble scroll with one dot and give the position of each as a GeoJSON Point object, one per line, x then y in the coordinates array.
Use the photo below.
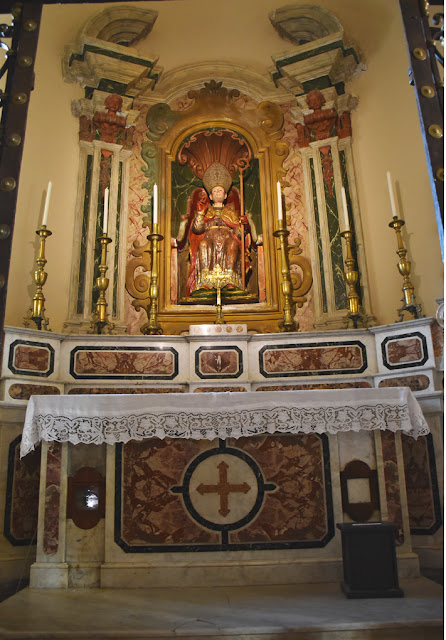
{"type": "Point", "coordinates": [109, 419]}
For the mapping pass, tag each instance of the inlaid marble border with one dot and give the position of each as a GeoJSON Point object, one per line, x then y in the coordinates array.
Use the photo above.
{"type": "Point", "coordinates": [227, 546]}
{"type": "Point", "coordinates": [30, 372]}
{"type": "Point", "coordinates": [315, 372]}
{"type": "Point", "coordinates": [120, 375]}
{"type": "Point", "coordinates": [404, 365]}
{"type": "Point", "coordinates": [201, 351]}
{"type": "Point", "coordinates": [13, 458]}
{"type": "Point", "coordinates": [435, 495]}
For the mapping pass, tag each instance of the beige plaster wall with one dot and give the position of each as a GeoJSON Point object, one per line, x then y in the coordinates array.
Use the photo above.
{"type": "Point", "coordinates": [385, 129]}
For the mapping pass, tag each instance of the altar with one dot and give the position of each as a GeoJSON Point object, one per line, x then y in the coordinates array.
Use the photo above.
{"type": "Point", "coordinates": [211, 488]}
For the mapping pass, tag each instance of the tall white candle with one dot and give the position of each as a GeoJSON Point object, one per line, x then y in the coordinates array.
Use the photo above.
{"type": "Point", "coordinates": [279, 202]}
{"type": "Point", "coordinates": [47, 203]}
{"type": "Point", "coordinates": [105, 224]}
{"type": "Point", "coordinates": [155, 204]}
{"type": "Point", "coordinates": [345, 210]}
{"type": "Point", "coordinates": [391, 194]}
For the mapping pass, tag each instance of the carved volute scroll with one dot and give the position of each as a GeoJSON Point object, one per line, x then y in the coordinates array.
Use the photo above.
{"type": "Point", "coordinates": [215, 109]}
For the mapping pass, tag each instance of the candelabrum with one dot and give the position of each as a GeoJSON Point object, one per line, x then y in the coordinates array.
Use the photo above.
{"type": "Point", "coordinates": [153, 328]}
{"type": "Point", "coordinates": [351, 278]}
{"type": "Point", "coordinates": [36, 313]}
{"type": "Point", "coordinates": [100, 317]}
{"type": "Point", "coordinates": [288, 323]}
{"type": "Point", "coordinates": [404, 266]}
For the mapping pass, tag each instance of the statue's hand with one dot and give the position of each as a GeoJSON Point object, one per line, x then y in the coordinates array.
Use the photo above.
{"type": "Point", "coordinates": [244, 220]}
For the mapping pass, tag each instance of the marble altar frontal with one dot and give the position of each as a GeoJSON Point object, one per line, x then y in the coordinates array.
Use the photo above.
{"type": "Point", "coordinates": [208, 459]}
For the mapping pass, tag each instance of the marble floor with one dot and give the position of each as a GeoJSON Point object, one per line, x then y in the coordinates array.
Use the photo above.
{"type": "Point", "coordinates": [310, 612]}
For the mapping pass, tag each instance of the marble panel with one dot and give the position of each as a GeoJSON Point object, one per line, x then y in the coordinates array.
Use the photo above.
{"type": "Point", "coordinates": [312, 359]}
{"type": "Point", "coordinates": [407, 349]}
{"type": "Point", "coordinates": [30, 353]}
{"type": "Point", "coordinates": [298, 509]}
{"type": "Point", "coordinates": [271, 492]}
{"type": "Point", "coordinates": [31, 358]}
{"type": "Point", "coordinates": [360, 384]}
{"type": "Point", "coordinates": [151, 514]}
{"type": "Point", "coordinates": [391, 477]}
{"type": "Point", "coordinates": [22, 495]}
{"type": "Point", "coordinates": [423, 497]}
{"type": "Point", "coordinates": [404, 345]}
{"type": "Point", "coordinates": [124, 363]}
{"type": "Point", "coordinates": [122, 390]}
{"type": "Point", "coordinates": [218, 389]}
{"type": "Point", "coordinates": [356, 446]}
{"type": "Point", "coordinates": [23, 391]}
{"type": "Point", "coordinates": [437, 332]}
{"type": "Point", "coordinates": [52, 499]}
{"type": "Point", "coordinates": [218, 362]}
{"type": "Point", "coordinates": [419, 382]}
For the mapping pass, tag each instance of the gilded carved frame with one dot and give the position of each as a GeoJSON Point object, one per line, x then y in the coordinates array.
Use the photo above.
{"type": "Point", "coordinates": [262, 128]}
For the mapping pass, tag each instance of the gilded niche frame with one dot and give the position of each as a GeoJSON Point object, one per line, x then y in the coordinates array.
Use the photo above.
{"type": "Point", "coordinates": [261, 127]}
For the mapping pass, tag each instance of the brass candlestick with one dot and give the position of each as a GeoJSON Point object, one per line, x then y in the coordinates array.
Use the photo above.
{"type": "Point", "coordinates": [404, 268]}
{"type": "Point", "coordinates": [351, 278]}
{"type": "Point", "coordinates": [37, 312]}
{"type": "Point", "coordinates": [219, 278]}
{"type": "Point", "coordinates": [100, 317]}
{"type": "Point", "coordinates": [288, 323]}
{"type": "Point", "coordinates": [153, 328]}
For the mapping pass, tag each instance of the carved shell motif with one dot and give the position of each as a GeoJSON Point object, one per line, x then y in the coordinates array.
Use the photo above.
{"type": "Point", "coordinates": [215, 145]}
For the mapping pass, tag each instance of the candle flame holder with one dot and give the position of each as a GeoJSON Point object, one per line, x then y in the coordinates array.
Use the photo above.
{"type": "Point", "coordinates": [404, 267]}
{"type": "Point", "coordinates": [153, 328]}
{"type": "Point", "coordinates": [351, 276]}
{"type": "Point", "coordinates": [287, 289]}
{"type": "Point", "coordinates": [36, 313]}
{"type": "Point", "coordinates": [100, 320]}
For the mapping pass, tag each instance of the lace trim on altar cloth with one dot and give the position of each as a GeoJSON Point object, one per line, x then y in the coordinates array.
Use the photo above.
{"type": "Point", "coordinates": [198, 425]}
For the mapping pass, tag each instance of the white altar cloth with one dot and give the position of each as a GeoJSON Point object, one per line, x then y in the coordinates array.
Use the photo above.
{"type": "Point", "coordinates": [95, 419]}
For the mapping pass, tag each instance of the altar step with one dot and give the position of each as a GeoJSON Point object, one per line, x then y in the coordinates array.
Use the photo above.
{"type": "Point", "coordinates": [292, 612]}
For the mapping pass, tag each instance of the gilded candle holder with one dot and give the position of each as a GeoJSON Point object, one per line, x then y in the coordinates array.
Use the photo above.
{"type": "Point", "coordinates": [351, 276]}
{"type": "Point", "coordinates": [404, 267]}
{"type": "Point", "coordinates": [153, 328]}
{"type": "Point", "coordinates": [289, 324]}
{"type": "Point", "coordinates": [36, 313]}
{"type": "Point", "coordinates": [100, 323]}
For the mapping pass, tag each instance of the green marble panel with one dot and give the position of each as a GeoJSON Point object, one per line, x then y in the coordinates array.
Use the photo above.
{"type": "Point", "coordinates": [83, 247]}
{"type": "Point", "coordinates": [116, 256]}
{"type": "Point", "coordinates": [183, 183]}
{"type": "Point", "coordinates": [334, 236]}
{"type": "Point", "coordinates": [97, 249]}
{"type": "Point", "coordinates": [318, 237]}
{"type": "Point", "coordinates": [345, 183]}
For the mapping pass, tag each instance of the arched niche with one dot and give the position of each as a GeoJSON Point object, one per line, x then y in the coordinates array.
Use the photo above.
{"type": "Point", "coordinates": [213, 108]}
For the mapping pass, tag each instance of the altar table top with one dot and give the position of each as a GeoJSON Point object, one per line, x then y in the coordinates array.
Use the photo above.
{"type": "Point", "coordinates": [97, 419]}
